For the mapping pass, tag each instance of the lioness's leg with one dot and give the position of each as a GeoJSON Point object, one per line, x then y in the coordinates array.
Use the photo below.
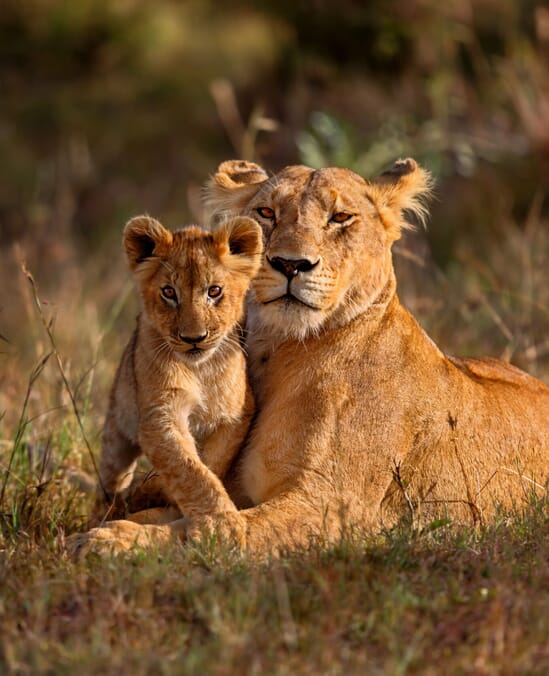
{"type": "Point", "coordinates": [294, 519]}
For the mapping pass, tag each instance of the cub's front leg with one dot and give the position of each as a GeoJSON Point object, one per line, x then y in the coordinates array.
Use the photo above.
{"type": "Point", "coordinates": [165, 438]}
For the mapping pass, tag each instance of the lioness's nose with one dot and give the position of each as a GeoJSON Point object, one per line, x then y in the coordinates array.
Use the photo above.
{"type": "Point", "coordinates": [193, 341]}
{"type": "Point", "coordinates": [289, 267]}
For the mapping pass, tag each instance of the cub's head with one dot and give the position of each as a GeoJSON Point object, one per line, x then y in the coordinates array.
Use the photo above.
{"type": "Point", "coordinates": [327, 234]}
{"type": "Point", "coordinates": [192, 282]}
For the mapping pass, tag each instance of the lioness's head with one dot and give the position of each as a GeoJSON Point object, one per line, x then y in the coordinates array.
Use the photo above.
{"type": "Point", "coordinates": [327, 235]}
{"type": "Point", "coordinates": [192, 282]}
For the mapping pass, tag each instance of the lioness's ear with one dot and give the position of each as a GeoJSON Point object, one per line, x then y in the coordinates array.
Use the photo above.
{"type": "Point", "coordinates": [240, 245]}
{"type": "Point", "coordinates": [231, 187]}
{"type": "Point", "coordinates": [143, 236]}
{"type": "Point", "coordinates": [402, 189]}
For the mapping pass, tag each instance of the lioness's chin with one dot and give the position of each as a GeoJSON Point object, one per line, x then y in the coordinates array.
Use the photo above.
{"type": "Point", "coordinates": [291, 319]}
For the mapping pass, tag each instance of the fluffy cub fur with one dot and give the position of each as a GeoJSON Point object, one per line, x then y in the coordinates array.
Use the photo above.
{"type": "Point", "coordinates": [180, 394]}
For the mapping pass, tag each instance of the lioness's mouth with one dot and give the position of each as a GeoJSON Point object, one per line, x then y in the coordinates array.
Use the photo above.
{"type": "Point", "coordinates": [290, 299]}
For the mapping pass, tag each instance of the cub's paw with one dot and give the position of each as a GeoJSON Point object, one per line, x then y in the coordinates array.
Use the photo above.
{"type": "Point", "coordinates": [227, 527]}
{"type": "Point", "coordinates": [117, 537]}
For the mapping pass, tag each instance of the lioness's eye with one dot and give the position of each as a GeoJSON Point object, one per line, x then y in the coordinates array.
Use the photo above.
{"type": "Point", "coordinates": [169, 292]}
{"type": "Point", "coordinates": [340, 217]}
{"type": "Point", "coordinates": [215, 291]}
{"type": "Point", "coordinates": [266, 212]}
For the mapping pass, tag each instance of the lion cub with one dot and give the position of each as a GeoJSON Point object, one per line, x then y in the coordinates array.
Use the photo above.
{"type": "Point", "coordinates": [180, 395]}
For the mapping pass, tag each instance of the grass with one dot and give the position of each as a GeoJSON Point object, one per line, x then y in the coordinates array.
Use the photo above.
{"type": "Point", "coordinates": [446, 601]}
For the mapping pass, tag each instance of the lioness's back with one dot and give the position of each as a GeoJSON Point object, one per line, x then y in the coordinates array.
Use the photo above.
{"type": "Point", "coordinates": [488, 369]}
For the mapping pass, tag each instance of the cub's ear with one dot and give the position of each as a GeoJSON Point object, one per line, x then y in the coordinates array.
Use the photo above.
{"type": "Point", "coordinates": [240, 245]}
{"type": "Point", "coordinates": [405, 187]}
{"type": "Point", "coordinates": [231, 187]}
{"type": "Point", "coordinates": [143, 237]}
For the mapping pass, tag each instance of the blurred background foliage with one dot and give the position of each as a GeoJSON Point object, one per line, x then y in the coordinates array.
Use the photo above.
{"type": "Point", "coordinates": [113, 108]}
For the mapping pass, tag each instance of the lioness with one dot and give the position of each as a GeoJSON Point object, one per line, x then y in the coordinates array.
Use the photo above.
{"type": "Point", "coordinates": [181, 394]}
{"type": "Point", "coordinates": [361, 418]}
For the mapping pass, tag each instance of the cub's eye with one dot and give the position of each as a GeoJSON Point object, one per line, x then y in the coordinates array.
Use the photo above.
{"type": "Point", "coordinates": [266, 212]}
{"type": "Point", "coordinates": [169, 293]}
{"type": "Point", "coordinates": [215, 291]}
{"type": "Point", "coordinates": [340, 217]}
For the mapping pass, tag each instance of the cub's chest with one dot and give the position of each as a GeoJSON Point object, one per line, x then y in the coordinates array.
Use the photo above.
{"type": "Point", "coordinates": [205, 417]}
{"type": "Point", "coordinates": [222, 399]}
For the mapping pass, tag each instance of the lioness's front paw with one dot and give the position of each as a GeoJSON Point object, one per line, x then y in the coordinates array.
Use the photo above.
{"type": "Point", "coordinates": [116, 537]}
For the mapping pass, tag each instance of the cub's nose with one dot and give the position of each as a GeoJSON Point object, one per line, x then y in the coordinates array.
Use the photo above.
{"type": "Point", "coordinates": [195, 340]}
{"type": "Point", "coordinates": [291, 268]}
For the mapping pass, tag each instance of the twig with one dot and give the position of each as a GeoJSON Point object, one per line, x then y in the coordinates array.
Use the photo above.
{"type": "Point", "coordinates": [397, 478]}
{"type": "Point", "coordinates": [48, 328]}
{"type": "Point", "coordinates": [497, 319]}
{"type": "Point", "coordinates": [22, 424]}
{"type": "Point", "coordinates": [242, 136]}
{"type": "Point", "coordinates": [113, 316]}
{"type": "Point", "coordinates": [476, 512]}
{"type": "Point", "coordinates": [524, 477]}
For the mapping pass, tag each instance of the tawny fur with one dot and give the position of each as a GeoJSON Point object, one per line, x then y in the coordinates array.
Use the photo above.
{"type": "Point", "coordinates": [186, 405]}
{"type": "Point", "coordinates": [361, 418]}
